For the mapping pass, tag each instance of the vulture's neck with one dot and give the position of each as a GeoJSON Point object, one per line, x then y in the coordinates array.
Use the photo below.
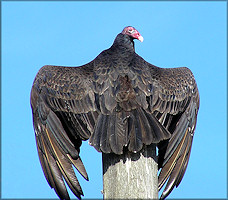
{"type": "Point", "coordinates": [124, 44]}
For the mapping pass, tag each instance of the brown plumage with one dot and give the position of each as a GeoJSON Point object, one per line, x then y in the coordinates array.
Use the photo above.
{"type": "Point", "coordinates": [117, 100]}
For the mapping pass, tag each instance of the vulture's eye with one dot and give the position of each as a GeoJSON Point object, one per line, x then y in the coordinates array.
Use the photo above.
{"type": "Point", "coordinates": [130, 30]}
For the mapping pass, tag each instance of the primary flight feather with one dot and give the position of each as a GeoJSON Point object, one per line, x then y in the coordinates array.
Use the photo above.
{"type": "Point", "coordinates": [116, 101]}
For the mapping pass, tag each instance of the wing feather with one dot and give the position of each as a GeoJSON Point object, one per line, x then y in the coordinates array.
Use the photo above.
{"type": "Point", "coordinates": [65, 167]}
{"type": "Point", "coordinates": [55, 174]}
{"type": "Point", "coordinates": [104, 143]}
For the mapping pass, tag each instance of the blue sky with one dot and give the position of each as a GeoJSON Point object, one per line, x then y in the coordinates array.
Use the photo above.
{"type": "Point", "coordinates": [34, 34]}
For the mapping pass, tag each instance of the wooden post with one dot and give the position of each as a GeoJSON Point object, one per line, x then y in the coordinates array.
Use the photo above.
{"type": "Point", "coordinates": [131, 175]}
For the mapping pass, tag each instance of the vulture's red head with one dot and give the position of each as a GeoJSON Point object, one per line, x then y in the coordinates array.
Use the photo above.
{"type": "Point", "coordinates": [132, 32]}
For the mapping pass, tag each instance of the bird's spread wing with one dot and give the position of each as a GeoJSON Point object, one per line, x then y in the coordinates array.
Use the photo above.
{"type": "Point", "coordinates": [175, 103]}
{"type": "Point", "coordinates": [64, 114]}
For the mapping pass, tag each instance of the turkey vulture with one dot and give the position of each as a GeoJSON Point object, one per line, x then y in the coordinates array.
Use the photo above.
{"type": "Point", "coordinates": [117, 101]}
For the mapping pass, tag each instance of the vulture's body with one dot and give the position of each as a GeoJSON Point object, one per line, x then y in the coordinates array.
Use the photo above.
{"type": "Point", "coordinates": [117, 101]}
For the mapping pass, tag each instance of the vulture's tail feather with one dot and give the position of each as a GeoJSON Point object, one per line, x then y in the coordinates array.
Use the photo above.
{"type": "Point", "coordinates": [126, 128]}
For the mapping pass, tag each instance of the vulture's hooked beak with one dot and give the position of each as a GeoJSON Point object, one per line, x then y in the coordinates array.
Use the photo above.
{"type": "Point", "coordinates": [140, 38]}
